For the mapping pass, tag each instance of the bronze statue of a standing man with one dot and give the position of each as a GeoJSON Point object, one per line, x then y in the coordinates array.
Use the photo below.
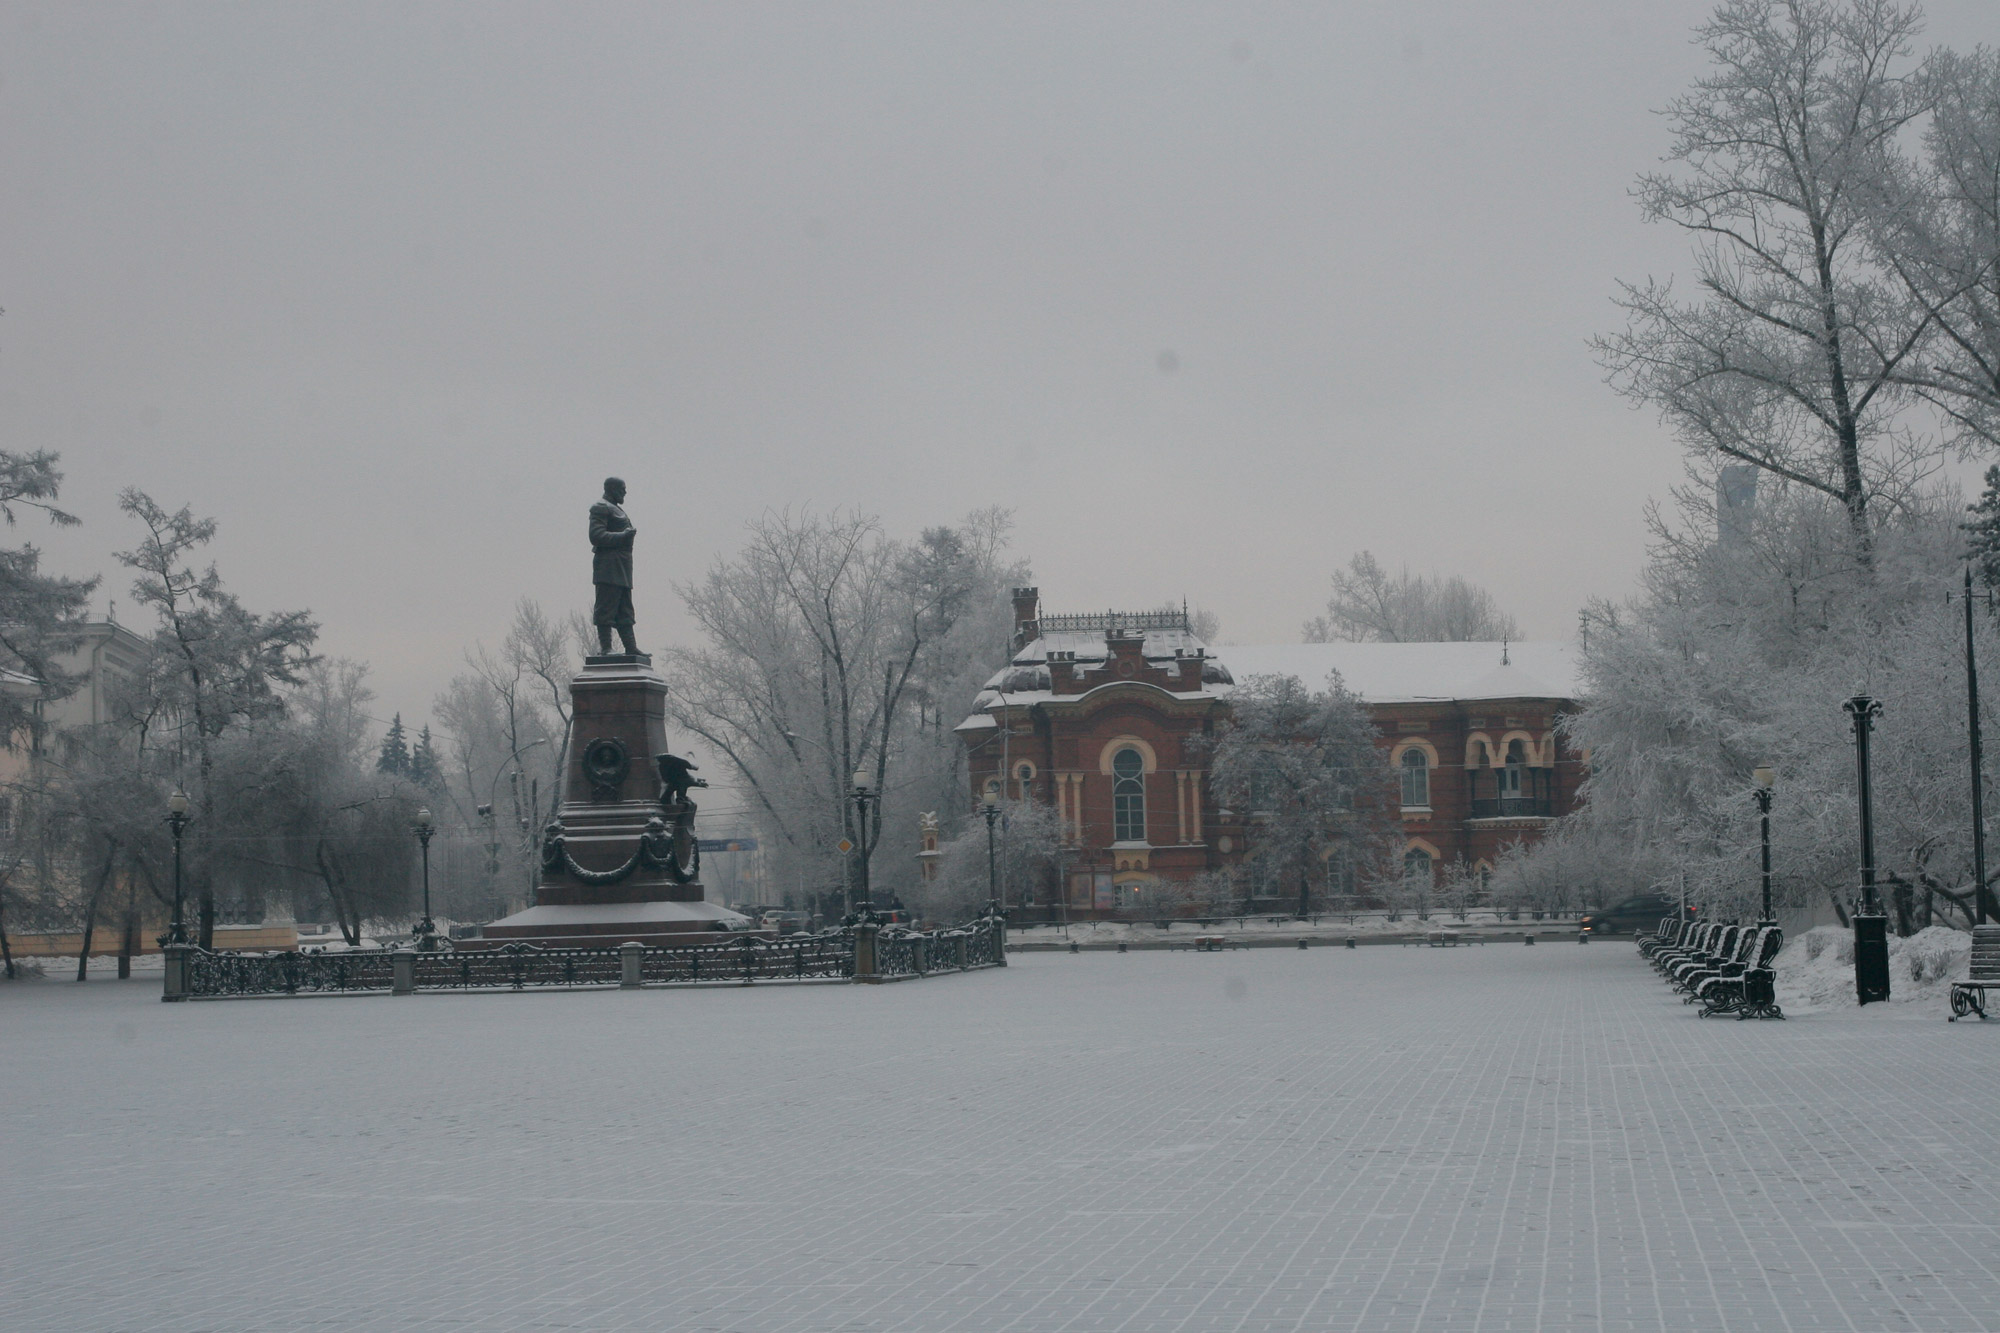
{"type": "Point", "coordinates": [611, 535]}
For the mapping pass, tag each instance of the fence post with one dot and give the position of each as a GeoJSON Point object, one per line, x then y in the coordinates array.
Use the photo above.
{"type": "Point", "coordinates": [629, 955]}
{"type": "Point", "coordinates": [403, 972]}
{"type": "Point", "coordinates": [958, 949]}
{"type": "Point", "coordinates": [1000, 939]}
{"type": "Point", "coordinates": [864, 951]}
{"type": "Point", "coordinates": [176, 988]}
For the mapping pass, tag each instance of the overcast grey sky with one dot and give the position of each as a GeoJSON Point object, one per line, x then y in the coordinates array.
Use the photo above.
{"type": "Point", "coordinates": [1212, 296]}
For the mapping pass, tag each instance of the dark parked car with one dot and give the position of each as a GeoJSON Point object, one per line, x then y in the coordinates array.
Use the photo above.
{"type": "Point", "coordinates": [1631, 917]}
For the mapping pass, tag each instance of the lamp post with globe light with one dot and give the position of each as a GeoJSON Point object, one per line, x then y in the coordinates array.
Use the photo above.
{"type": "Point", "coordinates": [1766, 779]}
{"type": "Point", "coordinates": [991, 810]}
{"type": "Point", "coordinates": [424, 827]}
{"type": "Point", "coordinates": [177, 820]}
{"type": "Point", "coordinates": [863, 794]}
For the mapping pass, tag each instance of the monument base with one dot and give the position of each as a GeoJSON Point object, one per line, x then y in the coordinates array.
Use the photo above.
{"type": "Point", "coordinates": [607, 925]}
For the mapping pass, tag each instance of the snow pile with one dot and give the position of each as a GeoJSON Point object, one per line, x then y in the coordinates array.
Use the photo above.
{"type": "Point", "coordinates": [1816, 969]}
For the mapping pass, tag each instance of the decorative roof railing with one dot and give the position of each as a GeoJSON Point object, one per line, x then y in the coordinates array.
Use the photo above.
{"type": "Point", "coordinates": [1101, 622]}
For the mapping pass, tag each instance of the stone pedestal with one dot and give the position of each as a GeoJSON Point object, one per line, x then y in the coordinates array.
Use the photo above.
{"type": "Point", "coordinates": [612, 792]}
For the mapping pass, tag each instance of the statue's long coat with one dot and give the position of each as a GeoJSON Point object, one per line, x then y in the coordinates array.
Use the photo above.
{"type": "Point", "coordinates": [611, 539]}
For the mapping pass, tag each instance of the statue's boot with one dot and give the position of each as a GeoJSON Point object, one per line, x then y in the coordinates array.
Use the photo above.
{"type": "Point", "coordinates": [604, 640]}
{"type": "Point", "coordinates": [625, 637]}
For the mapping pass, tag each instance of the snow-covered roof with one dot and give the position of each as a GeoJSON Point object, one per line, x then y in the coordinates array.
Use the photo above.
{"type": "Point", "coordinates": [19, 684]}
{"type": "Point", "coordinates": [1378, 672]}
{"type": "Point", "coordinates": [1088, 645]}
{"type": "Point", "coordinates": [1409, 672]}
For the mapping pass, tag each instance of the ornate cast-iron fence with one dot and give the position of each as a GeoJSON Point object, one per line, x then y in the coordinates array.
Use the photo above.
{"type": "Point", "coordinates": [515, 967]}
{"type": "Point", "coordinates": [824, 957]}
{"type": "Point", "coordinates": [865, 953]}
{"type": "Point", "coordinates": [219, 974]}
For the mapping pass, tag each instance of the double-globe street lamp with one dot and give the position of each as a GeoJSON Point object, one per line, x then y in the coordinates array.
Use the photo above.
{"type": "Point", "coordinates": [1766, 779]}
{"type": "Point", "coordinates": [1871, 928]}
{"type": "Point", "coordinates": [424, 827]}
{"type": "Point", "coordinates": [177, 820]}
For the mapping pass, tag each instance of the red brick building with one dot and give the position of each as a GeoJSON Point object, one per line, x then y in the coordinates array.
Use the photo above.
{"type": "Point", "coordinates": [1095, 716]}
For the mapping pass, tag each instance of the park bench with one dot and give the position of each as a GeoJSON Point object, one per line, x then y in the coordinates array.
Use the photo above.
{"type": "Point", "coordinates": [1672, 931]}
{"type": "Point", "coordinates": [1969, 996]}
{"type": "Point", "coordinates": [1718, 946]}
{"type": "Point", "coordinates": [1689, 936]}
{"type": "Point", "coordinates": [1747, 988]}
{"type": "Point", "coordinates": [1732, 952]}
{"type": "Point", "coordinates": [1697, 943]}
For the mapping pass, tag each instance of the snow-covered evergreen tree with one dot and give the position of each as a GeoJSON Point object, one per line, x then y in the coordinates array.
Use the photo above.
{"type": "Point", "coordinates": [424, 769]}
{"type": "Point", "coordinates": [394, 756]}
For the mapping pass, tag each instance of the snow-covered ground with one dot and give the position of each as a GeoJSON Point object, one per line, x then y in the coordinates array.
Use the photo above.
{"type": "Point", "coordinates": [1379, 1139]}
{"type": "Point", "coordinates": [1283, 927]}
{"type": "Point", "coordinates": [1816, 969]}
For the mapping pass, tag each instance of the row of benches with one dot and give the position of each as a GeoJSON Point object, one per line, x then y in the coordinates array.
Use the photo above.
{"type": "Point", "coordinates": [1725, 969]}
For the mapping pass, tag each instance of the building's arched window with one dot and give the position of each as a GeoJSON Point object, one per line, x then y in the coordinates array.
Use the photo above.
{"type": "Point", "coordinates": [1417, 867]}
{"type": "Point", "coordinates": [1510, 776]}
{"type": "Point", "coordinates": [1416, 778]}
{"type": "Point", "coordinates": [1024, 777]}
{"type": "Point", "coordinates": [1128, 796]}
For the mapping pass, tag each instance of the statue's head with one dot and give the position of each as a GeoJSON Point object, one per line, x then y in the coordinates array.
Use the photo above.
{"type": "Point", "coordinates": [614, 490]}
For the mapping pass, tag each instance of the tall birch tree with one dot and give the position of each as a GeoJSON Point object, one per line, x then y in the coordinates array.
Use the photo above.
{"type": "Point", "coordinates": [1791, 352]}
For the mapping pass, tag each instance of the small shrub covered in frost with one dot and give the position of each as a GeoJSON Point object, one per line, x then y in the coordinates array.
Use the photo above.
{"type": "Point", "coordinates": [1937, 955]}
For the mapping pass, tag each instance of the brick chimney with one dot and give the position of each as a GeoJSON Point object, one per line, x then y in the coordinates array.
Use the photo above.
{"type": "Point", "coordinates": [1027, 616]}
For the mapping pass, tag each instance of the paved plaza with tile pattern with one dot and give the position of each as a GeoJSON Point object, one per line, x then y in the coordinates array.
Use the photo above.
{"type": "Point", "coordinates": [1496, 1138]}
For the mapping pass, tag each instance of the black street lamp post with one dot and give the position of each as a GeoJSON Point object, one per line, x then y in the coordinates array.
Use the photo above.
{"type": "Point", "coordinates": [1871, 928]}
{"type": "Point", "coordinates": [1765, 780]}
{"type": "Point", "coordinates": [1980, 891]}
{"type": "Point", "coordinates": [425, 826]}
{"type": "Point", "coordinates": [177, 820]}
{"type": "Point", "coordinates": [992, 812]}
{"type": "Point", "coordinates": [862, 796]}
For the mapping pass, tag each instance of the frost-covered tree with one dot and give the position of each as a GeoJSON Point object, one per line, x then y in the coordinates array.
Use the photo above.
{"type": "Point", "coordinates": [1790, 351]}
{"type": "Point", "coordinates": [1371, 605]}
{"type": "Point", "coordinates": [313, 822]}
{"type": "Point", "coordinates": [1741, 653]}
{"type": "Point", "coordinates": [1304, 765]}
{"type": "Point", "coordinates": [1027, 847]}
{"type": "Point", "coordinates": [833, 649]}
{"type": "Point", "coordinates": [39, 612]}
{"type": "Point", "coordinates": [213, 666]}
{"type": "Point", "coordinates": [505, 724]}
{"type": "Point", "coordinates": [1937, 227]}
